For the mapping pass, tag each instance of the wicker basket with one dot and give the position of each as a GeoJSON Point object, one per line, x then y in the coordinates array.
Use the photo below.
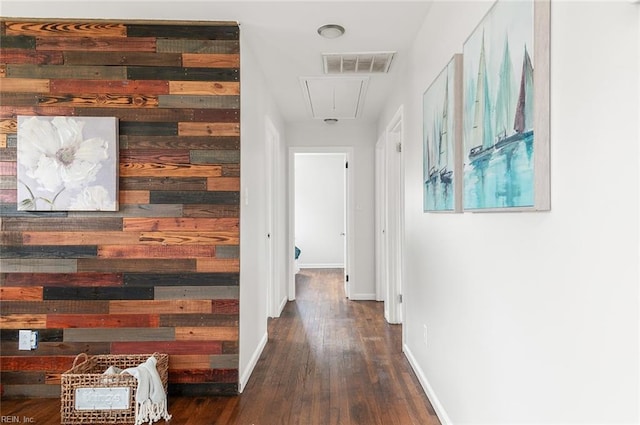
{"type": "Point", "coordinates": [89, 374]}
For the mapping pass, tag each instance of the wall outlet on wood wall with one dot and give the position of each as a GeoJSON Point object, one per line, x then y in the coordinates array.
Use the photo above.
{"type": "Point", "coordinates": [27, 340]}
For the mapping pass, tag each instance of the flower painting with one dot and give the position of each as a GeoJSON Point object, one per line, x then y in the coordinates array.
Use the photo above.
{"type": "Point", "coordinates": [67, 163]}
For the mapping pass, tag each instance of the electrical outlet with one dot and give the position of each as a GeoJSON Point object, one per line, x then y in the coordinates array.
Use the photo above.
{"type": "Point", "coordinates": [27, 340]}
{"type": "Point", "coordinates": [424, 334]}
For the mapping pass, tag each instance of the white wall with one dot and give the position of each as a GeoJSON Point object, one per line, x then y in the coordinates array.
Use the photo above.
{"type": "Point", "coordinates": [533, 317]}
{"type": "Point", "coordinates": [361, 137]}
{"type": "Point", "coordinates": [257, 108]}
{"type": "Point", "coordinates": [320, 209]}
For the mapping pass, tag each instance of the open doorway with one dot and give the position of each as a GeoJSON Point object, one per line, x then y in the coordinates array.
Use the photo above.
{"type": "Point", "coordinates": [320, 214]}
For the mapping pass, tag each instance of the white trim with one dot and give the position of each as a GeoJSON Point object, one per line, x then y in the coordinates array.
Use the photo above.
{"type": "Point", "coordinates": [283, 303]}
{"type": "Point", "coordinates": [244, 379]}
{"type": "Point", "coordinates": [363, 297]}
{"type": "Point", "coordinates": [428, 389]}
{"type": "Point", "coordinates": [320, 266]}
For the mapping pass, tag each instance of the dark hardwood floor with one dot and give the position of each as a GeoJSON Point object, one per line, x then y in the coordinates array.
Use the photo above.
{"type": "Point", "coordinates": [328, 361]}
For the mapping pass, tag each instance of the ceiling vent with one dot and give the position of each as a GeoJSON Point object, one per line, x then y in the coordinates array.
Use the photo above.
{"type": "Point", "coordinates": [334, 97]}
{"type": "Point", "coordinates": [357, 63]}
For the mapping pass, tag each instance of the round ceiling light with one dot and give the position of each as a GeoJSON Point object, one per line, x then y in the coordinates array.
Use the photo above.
{"type": "Point", "coordinates": [331, 30]}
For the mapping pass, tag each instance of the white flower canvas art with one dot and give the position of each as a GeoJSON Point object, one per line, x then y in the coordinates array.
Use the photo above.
{"type": "Point", "coordinates": [67, 163]}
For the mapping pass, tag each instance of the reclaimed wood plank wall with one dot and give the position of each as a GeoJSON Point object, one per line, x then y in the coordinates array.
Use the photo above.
{"type": "Point", "coordinates": [162, 273]}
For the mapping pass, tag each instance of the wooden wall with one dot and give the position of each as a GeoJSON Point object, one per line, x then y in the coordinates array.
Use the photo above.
{"type": "Point", "coordinates": [162, 273]}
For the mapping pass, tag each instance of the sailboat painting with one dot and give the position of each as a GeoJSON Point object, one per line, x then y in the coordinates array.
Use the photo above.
{"type": "Point", "coordinates": [442, 139]}
{"type": "Point", "coordinates": [499, 134]}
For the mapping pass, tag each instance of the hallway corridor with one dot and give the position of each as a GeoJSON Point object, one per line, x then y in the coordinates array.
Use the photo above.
{"type": "Point", "coordinates": [328, 361]}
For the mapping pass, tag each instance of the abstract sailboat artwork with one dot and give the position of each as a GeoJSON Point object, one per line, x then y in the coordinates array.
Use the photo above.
{"type": "Point", "coordinates": [442, 139]}
{"type": "Point", "coordinates": [505, 112]}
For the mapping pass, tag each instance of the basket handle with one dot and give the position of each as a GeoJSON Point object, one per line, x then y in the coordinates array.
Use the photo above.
{"type": "Point", "coordinates": [75, 361]}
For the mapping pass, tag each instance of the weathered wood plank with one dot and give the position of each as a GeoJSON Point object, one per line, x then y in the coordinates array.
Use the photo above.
{"type": "Point", "coordinates": [122, 58]}
{"type": "Point", "coordinates": [214, 88]}
{"type": "Point", "coordinates": [224, 361]}
{"type": "Point", "coordinates": [180, 142]}
{"type": "Point", "coordinates": [198, 46]}
{"type": "Point", "coordinates": [195, 210]}
{"type": "Point", "coordinates": [59, 307]}
{"type": "Point", "coordinates": [23, 321]}
{"type": "Point", "coordinates": [24, 85]}
{"type": "Point", "coordinates": [134, 197]}
{"type": "Point", "coordinates": [196, 320]}
{"type": "Point", "coordinates": [42, 251]}
{"type": "Point", "coordinates": [97, 293]}
{"type": "Point", "coordinates": [231, 170]}
{"type": "Point", "coordinates": [181, 74]}
{"type": "Point", "coordinates": [16, 378]}
{"type": "Point", "coordinates": [135, 210]}
{"type": "Point", "coordinates": [223, 184]}
{"type": "Point", "coordinates": [13, 265]}
{"type": "Point", "coordinates": [189, 279]}
{"type": "Point", "coordinates": [161, 307]}
{"type": "Point", "coordinates": [31, 391]}
{"type": "Point", "coordinates": [9, 169]}
{"type": "Point", "coordinates": [216, 115]}
{"type": "Point", "coordinates": [118, 334]}
{"type": "Point", "coordinates": [60, 86]}
{"type": "Point", "coordinates": [211, 60]}
{"type": "Point", "coordinates": [168, 170]}
{"type": "Point", "coordinates": [167, 197]}
{"type": "Point", "coordinates": [130, 115]}
{"type": "Point", "coordinates": [228, 251]}
{"type": "Point", "coordinates": [44, 335]}
{"type": "Point", "coordinates": [100, 100]}
{"type": "Point", "coordinates": [148, 129]}
{"type": "Point", "coordinates": [177, 224]}
{"type": "Point", "coordinates": [18, 42]}
{"type": "Point", "coordinates": [208, 129]}
{"type": "Point", "coordinates": [167, 252]}
{"type": "Point", "coordinates": [215, 157]}
{"type": "Point", "coordinates": [97, 44]}
{"type": "Point", "coordinates": [184, 292]}
{"type": "Point", "coordinates": [8, 195]}
{"type": "Point", "coordinates": [225, 306]}
{"type": "Point", "coordinates": [12, 111]}
{"type": "Point", "coordinates": [59, 224]}
{"type": "Point", "coordinates": [10, 182]}
{"type": "Point", "coordinates": [59, 71]}
{"type": "Point", "coordinates": [33, 57]}
{"type": "Point", "coordinates": [191, 238]}
{"type": "Point", "coordinates": [175, 156]}
{"type": "Point", "coordinates": [218, 333]}
{"type": "Point", "coordinates": [33, 293]}
{"type": "Point", "coordinates": [151, 183]}
{"type": "Point", "coordinates": [18, 99]}
{"type": "Point", "coordinates": [206, 32]}
{"type": "Point", "coordinates": [203, 389]}
{"type": "Point", "coordinates": [80, 238]}
{"type": "Point", "coordinates": [62, 279]}
{"type": "Point", "coordinates": [189, 361]}
{"type": "Point", "coordinates": [208, 265]}
{"type": "Point", "coordinates": [124, 265]}
{"type": "Point", "coordinates": [170, 347]}
{"type": "Point", "coordinates": [77, 29]}
{"type": "Point", "coordinates": [208, 375]}
{"type": "Point", "coordinates": [55, 349]}
{"type": "Point", "coordinates": [199, 102]}
{"type": "Point", "coordinates": [63, 321]}
{"type": "Point", "coordinates": [230, 347]}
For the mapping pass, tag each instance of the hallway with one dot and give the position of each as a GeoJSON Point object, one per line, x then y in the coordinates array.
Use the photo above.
{"type": "Point", "coordinates": [328, 361]}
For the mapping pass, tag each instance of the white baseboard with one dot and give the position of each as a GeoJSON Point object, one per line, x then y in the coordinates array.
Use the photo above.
{"type": "Point", "coordinates": [362, 297]}
{"type": "Point", "coordinates": [320, 266]}
{"type": "Point", "coordinates": [431, 395]}
{"type": "Point", "coordinates": [246, 374]}
{"type": "Point", "coordinates": [282, 304]}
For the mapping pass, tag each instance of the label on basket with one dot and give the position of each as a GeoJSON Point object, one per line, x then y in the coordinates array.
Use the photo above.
{"type": "Point", "coordinates": [103, 398]}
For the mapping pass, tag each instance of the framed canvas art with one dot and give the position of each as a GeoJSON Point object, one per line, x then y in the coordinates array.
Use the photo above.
{"type": "Point", "coordinates": [67, 163]}
{"type": "Point", "coordinates": [442, 138]}
{"type": "Point", "coordinates": [506, 109]}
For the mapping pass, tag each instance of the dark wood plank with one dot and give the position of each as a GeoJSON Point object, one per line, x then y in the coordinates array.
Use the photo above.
{"type": "Point", "coordinates": [178, 74]}
{"type": "Point", "coordinates": [118, 334]}
{"type": "Point", "coordinates": [42, 224]}
{"type": "Point", "coordinates": [152, 183]}
{"type": "Point", "coordinates": [25, 56]}
{"type": "Point", "coordinates": [68, 251]}
{"type": "Point", "coordinates": [150, 116]}
{"type": "Point", "coordinates": [59, 71]}
{"type": "Point", "coordinates": [167, 45]}
{"type": "Point", "coordinates": [198, 32]}
{"type": "Point", "coordinates": [201, 210]}
{"type": "Point", "coordinates": [225, 306]}
{"type": "Point", "coordinates": [122, 58]}
{"type": "Point", "coordinates": [148, 129]}
{"type": "Point", "coordinates": [190, 279]}
{"type": "Point", "coordinates": [44, 336]}
{"type": "Point", "coordinates": [61, 279]}
{"type": "Point", "coordinates": [197, 101]}
{"type": "Point", "coordinates": [97, 293]}
{"type": "Point", "coordinates": [168, 197]}
{"type": "Point", "coordinates": [12, 111]}
{"type": "Point", "coordinates": [206, 389]}
{"type": "Point", "coordinates": [48, 307]}
{"type": "Point", "coordinates": [18, 42]}
{"type": "Point", "coordinates": [231, 170]}
{"type": "Point", "coordinates": [162, 306]}
{"type": "Point", "coordinates": [205, 320]}
{"type": "Point", "coordinates": [124, 265]}
{"type": "Point", "coordinates": [169, 347]}
{"type": "Point", "coordinates": [97, 44]}
{"type": "Point", "coordinates": [166, 252]}
{"type": "Point", "coordinates": [228, 376]}
{"type": "Point", "coordinates": [215, 157]}
{"type": "Point", "coordinates": [180, 142]}
{"type": "Point", "coordinates": [56, 349]}
{"type": "Point", "coordinates": [216, 115]}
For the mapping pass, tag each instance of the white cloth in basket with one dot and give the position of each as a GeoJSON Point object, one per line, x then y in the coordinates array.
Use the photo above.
{"type": "Point", "coordinates": [151, 400]}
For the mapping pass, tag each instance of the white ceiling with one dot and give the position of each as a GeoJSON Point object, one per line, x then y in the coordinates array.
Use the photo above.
{"type": "Point", "coordinates": [282, 35]}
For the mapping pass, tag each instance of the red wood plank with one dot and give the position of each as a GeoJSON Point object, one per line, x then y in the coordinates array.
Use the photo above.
{"type": "Point", "coordinates": [153, 251]}
{"type": "Point", "coordinates": [105, 86]}
{"type": "Point", "coordinates": [49, 364]}
{"type": "Point", "coordinates": [8, 111]}
{"type": "Point", "coordinates": [63, 321]}
{"type": "Point", "coordinates": [105, 44]}
{"type": "Point", "coordinates": [169, 347]}
{"type": "Point", "coordinates": [225, 306]}
{"type": "Point", "coordinates": [32, 57]}
{"type": "Point", "coordinates": [204, 375]}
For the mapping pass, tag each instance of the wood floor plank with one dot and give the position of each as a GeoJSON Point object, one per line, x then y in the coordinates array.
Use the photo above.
{"type": "Point", "coordinates": [329, 361]}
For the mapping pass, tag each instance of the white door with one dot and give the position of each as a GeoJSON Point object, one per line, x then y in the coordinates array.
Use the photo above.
{"type": "Point", "coordinates": [272, 233]}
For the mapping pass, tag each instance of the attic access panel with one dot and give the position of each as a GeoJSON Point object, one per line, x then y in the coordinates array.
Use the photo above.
{"type": "Point", "coordinates": [334, 97]}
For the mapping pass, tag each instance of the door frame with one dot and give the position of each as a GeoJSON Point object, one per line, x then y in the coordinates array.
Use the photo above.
{"type": "Point", "coordinates": [275, 302]}
{"type": "Point", "coordinates": [349, 213]}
